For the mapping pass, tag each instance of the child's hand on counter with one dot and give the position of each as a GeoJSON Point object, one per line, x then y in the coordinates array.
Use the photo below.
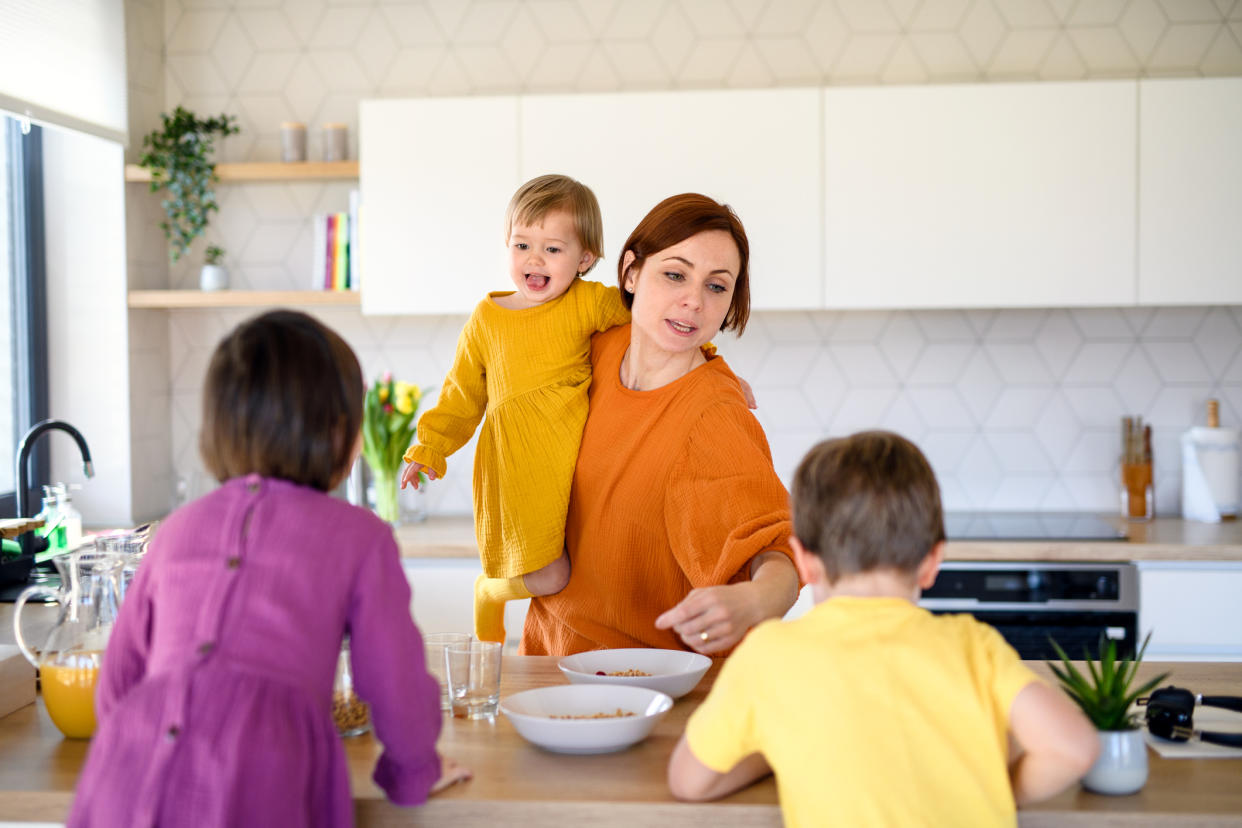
{"type": "Point", "coordinates": [451, 772]}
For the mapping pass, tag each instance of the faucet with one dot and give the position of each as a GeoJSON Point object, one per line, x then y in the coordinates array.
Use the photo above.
{"type": "Point", "coordinates": [30, 542]}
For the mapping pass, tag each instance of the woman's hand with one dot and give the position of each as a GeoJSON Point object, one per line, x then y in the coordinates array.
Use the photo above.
{"type": "Point", "coordinates": [450, 774]}
{"type": "Point", "coordinates": [713, 619]}
{"type": "Point", "coordinates": [411, 472]}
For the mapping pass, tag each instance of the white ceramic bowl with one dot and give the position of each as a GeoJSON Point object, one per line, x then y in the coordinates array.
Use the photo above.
{"type": "Point", "coordinates": [531, 713]}
{"type": "Point", "coordinates": [674, 672]}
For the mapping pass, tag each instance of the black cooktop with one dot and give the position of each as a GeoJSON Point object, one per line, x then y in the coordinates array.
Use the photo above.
{"type": "Point", "coordinates": [1044, 526]}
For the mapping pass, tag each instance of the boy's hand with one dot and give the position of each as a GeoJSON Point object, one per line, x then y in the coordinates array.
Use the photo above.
{"type": "Point", "coordinates": [411, 472]}
{"type": "Point", "coordinates": [450, 774]}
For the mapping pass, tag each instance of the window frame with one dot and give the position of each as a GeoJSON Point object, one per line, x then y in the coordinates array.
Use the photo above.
{"type": "Point", "coordinates": [29, 300]}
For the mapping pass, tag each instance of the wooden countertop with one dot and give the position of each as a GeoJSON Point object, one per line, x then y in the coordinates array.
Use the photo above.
{"type": "Point", "coordinates": [517, 784]}
{"type": "Point", "coordinates": [1163, 539]}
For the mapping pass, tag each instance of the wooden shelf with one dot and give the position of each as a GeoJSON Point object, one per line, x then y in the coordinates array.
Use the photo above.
{"type": "Point", "coordinates": [269, 171]}
{"type": "Point", "coordinates": [241, 298]}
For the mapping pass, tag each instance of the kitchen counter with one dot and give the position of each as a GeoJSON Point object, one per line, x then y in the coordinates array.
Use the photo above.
{"type": "Point", "coordinates": [1163, 539]}
{"type": "Point", "coordinates": [517, 784]}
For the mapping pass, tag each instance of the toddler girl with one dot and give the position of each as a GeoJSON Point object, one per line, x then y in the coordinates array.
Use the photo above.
{"type": "Point", "coordinates": [523, 359]}
{"type": "Point", "coordinates": [214, 700]}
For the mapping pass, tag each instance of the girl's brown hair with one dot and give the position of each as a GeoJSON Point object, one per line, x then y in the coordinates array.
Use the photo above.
{"type": "Point", "coordinates": [283, 398]}
{"type": "Point", "coordinates": [866, 502]}
{"type": "Point", "coordinates": [676, 219]}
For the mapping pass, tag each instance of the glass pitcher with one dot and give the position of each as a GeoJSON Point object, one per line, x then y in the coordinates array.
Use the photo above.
{"type": "Point", "coordinates": [131, 545]}
{"type": "Point", "coordinates": [69, 660]}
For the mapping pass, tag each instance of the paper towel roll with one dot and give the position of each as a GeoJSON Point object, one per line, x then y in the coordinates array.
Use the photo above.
{"type": "Point", "coordinates": [1209, 474]}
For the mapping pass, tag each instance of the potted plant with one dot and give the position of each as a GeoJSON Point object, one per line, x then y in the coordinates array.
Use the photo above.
{"type": "Point", "coordinates": [388, 424]}
{"type": "Point", "coordinates": [1106, 695]}
{"type": "Point", "coordinates": [179, 158]}
{"type": "Point", "coordinates": [214, 275]}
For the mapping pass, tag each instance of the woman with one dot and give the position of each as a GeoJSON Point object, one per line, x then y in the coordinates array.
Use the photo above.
{"type": "Point", "coordinates": [678, 525]}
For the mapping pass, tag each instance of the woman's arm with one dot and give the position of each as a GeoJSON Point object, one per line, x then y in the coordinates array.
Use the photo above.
{"type": "Point", "coordinates": [727, 612]}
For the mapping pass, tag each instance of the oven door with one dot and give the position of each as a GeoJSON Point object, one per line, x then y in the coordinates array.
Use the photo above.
{"type": "Point", "coordinates": [1077, 631]}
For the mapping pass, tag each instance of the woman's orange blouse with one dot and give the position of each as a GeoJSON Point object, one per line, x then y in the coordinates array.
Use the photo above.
{"type": "Point", "coordinates": [674, 489]}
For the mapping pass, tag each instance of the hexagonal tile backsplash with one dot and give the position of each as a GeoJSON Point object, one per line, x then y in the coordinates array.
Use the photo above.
{"type": "Point", "coordinates": [1017, 409]}
{"type": "Point", "coordinates": [1041, 435]}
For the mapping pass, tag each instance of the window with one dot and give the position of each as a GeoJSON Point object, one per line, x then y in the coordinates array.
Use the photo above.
{"type": "Point", "coordinates": [23, 363]}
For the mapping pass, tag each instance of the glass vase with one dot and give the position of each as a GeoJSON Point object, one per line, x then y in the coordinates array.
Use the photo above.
{"type": "Point", "coordinates": [387, 486]}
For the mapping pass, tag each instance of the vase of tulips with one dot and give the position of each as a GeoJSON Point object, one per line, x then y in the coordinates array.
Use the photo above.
{"type": "Point", "coordinates": [388, 425]}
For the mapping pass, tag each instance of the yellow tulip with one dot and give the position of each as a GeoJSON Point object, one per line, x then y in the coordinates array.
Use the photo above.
{"type": "Point", "coordinates": [383, 393]}
{"type": "Point", "coordinates": [405, 397]}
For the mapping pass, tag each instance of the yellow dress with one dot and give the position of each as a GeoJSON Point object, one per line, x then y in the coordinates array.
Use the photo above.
{"type": "Point", "coordinates": [525, 373]}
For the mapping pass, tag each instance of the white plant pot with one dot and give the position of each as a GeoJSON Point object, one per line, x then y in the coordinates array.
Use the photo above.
{"type": "Point", "coordinates": [1122, 766]}
{"type": "Point", "coordinates": [213, 277]}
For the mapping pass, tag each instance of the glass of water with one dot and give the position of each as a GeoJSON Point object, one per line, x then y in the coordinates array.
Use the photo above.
{"type": "Point", "coordinates": [434, 645]}
{"type": "Point", "coordinates": [474, 678]}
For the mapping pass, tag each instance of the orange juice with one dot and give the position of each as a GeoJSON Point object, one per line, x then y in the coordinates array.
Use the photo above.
{"type": "Point", "coordinates": [69, 692]}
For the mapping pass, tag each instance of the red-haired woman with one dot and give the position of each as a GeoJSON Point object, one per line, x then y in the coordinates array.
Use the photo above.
{"type": "Point", "coordinates": [678, 525]}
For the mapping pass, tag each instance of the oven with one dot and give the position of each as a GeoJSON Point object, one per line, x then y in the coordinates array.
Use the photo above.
{"type": "Point", "coordinates": [1028, 603]}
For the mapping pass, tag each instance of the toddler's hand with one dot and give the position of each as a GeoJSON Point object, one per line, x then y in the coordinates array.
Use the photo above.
{"type": "Point", "coordinates": [749, 394]}
{"type": "Point", "coordinates": [450, 774]}
{"type": "Point", "coordinates": [412, 470]}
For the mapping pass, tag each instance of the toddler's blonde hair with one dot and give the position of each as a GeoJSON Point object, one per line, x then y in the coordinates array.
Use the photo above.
{"type": "Point", "coordinates": [540, 196]}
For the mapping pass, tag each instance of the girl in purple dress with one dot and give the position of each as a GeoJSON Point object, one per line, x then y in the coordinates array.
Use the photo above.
{"type": "Point", "coordinates": [214, 701]}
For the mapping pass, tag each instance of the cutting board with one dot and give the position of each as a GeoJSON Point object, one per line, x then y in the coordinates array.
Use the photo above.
{"type": "Point", "coordinates": [17, 680]}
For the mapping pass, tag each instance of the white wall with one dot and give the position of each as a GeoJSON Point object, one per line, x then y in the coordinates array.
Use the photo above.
{"type": "Point", "coordinates": [1018, 409]}
{"type": "Point", "coordinates": [88, 340]}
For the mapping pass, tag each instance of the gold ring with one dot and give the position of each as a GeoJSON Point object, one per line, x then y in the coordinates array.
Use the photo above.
{"type": "Point", "coordinates": [703, 636]}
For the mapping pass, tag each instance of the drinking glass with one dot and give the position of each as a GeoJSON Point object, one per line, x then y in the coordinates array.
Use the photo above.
{"type": "Point", "coordinates": [474, 678]}
{"type": "Point", "coordinates": [434, 645]}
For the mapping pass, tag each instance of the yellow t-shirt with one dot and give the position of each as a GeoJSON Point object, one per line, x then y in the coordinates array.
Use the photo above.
{"type": "Point", "coordinates": [870, 711]}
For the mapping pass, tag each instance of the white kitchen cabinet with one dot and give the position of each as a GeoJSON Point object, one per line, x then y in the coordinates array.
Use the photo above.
{"type": "Point", "coordinates": [435, 176]}
{"type": "Point", "coordinates": [757, 150]}
{"type": "Point", "coordinates": [1190, 191]}
{"type": "Point", "coordinates": [1191, 609]}
{"type": "Point", "coordinates": [995, 195]}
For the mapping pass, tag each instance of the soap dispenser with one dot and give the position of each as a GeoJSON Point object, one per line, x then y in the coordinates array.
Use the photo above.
{"type": "Point", "coordinates": [72, 518]}
{"type": "Point", "coordinates": [53, 523]}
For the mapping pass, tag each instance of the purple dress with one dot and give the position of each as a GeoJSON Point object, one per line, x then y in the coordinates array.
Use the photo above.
{"type": "Point", "coordinates": [214, 702]}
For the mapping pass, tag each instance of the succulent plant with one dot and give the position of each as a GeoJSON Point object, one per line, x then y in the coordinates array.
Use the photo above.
{"type": "Point", "coordinates": [1106, 693]}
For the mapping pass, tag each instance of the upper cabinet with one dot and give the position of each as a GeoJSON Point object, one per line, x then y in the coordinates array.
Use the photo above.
{"type": "Point", "coordinates": [756, 150]}
{"type": "Point", "coordinates": [1099, 193]}
{"type": "Point", "coordinates": [997, 195]}
{"type": "Point", "coordinates": [436, 174]}
{"type": "Point", "coordinates": [1190, 191]}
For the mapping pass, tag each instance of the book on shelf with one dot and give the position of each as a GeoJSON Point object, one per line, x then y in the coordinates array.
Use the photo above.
{"type": "Point", "coordinates": [332, 262]}
{"type": "Point", "coordinates": [353, 239]}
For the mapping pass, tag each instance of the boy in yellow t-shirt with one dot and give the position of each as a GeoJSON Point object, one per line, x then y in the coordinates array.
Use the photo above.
{"type": "Point", "coordinates": [869, 709]}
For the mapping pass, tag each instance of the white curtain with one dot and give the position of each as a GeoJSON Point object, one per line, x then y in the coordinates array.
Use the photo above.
{"type": "Point", "coordinates": [62, 62]}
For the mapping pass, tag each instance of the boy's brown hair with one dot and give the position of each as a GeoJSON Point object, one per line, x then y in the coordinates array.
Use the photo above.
{"type": "Point", "coordinates": [866, 502]}
{"type": "Point", "coordinates": [283, 398]}
{"type": "Point", "coordinates": [540, 196]}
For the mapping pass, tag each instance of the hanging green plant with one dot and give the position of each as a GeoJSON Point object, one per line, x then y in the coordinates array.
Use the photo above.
{"type": "Point", "coordinates": [179, 158]}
